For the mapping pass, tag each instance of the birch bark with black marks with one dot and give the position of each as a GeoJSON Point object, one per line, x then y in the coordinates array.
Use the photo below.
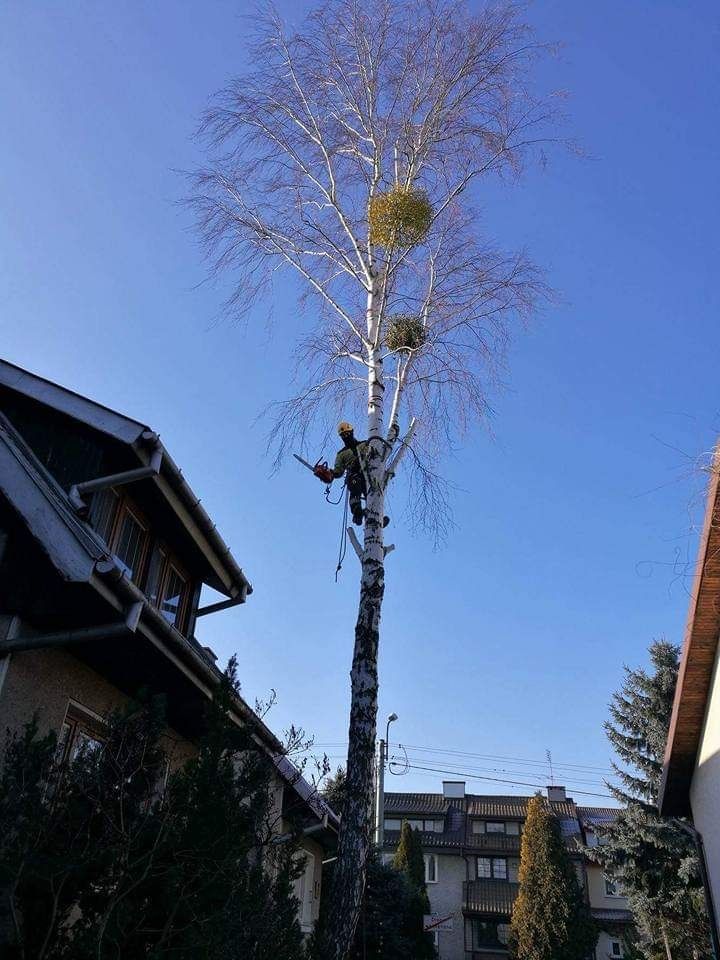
{"type": "Point", "coordinates": [358, 100]}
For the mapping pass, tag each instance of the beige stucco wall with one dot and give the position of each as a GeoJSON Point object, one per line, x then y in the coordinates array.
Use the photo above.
{"type": "Point", "coordinates": [596, 891]}
{"type": "Point", "coordinates": [705, 787]}
{"type": "Point", "coordinates": [45, 681]}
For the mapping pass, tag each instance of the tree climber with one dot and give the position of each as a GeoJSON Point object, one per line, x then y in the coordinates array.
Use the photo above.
{"type": "Point", "coordinates": [348, 462]}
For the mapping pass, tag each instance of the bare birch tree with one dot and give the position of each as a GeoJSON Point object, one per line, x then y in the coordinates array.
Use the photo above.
{"type": "Point", "coordinates": [350, 155]}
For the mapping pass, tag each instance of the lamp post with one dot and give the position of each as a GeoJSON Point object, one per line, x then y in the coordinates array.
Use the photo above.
{"type": "Point", "coordinates": [380, 785]}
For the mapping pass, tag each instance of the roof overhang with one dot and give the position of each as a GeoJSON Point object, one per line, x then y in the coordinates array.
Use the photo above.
{"type": "Point", "coordinates": [79, 556]}
{"type": "Point", "coordinates": [696, 665]}
{"type": "Point", "coordinates": [226, 575]}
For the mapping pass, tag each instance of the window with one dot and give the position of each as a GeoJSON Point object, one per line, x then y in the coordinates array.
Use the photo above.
{"type": "Point", "coordinates": [431, 868]}
{"type": "Point", "coordinates": [102, 513]}
{"type": "Point", "coordinates": [173, 594]}
{"type": "Point", "coordinates": [488, 933]}
{"type": "Point", "coordinates": [478, 826]}
{"type": "Point", "coordinates": [130, 542]}
{"type": "Point", "coordinates": [304, 890]}
{"type": "Point", "coordinates": [616, 949]}
{"type": "Point", "coordinates": [145, 560]}
{"type": "Point", "coordinates": [82, 733]}
{"type": "Point", "coordinates": [491, 868]}
{"type": "Point", "coordinates": [612, 888]}
{"type": "Point", "coordinates": [494, 827]}
{"type": "Point", "coordinates": [426, 826]}
{"type": "Point", "coordinates": [512, 828]}
{"type": "Point", "coordinates": [500, 869]}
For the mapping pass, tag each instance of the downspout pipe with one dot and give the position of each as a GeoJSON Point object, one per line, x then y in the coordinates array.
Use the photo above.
{"type": "Point", "coordinates": [63, 638]}
{"type": "Point", "coordinates": [79, 490]}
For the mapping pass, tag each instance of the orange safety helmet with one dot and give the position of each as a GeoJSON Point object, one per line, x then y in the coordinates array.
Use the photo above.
{"type": "Point", "coordinates": [344, 427]}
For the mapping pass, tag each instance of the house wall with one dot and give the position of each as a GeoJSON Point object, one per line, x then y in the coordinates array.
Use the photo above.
{"type": "Point", "coordinates": [446, 897]}
{"type": "Point", "coordinates": [596, 891]}
{"type": "Point", "coordinates": [705, 787]}
{"type": "Point", "coordinates": [44, 681]}
{"type": "Point", "coordinates": [603, 949]}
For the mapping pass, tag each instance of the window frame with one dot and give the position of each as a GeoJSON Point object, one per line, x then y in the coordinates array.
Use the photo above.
{"type": "Point", "coordinates": [495, 823]}
{"type": "Point", "coordinates": [79, 720]}
{"type": "Point", "coordinates": [427, 857]}
{"type": "Point", "coordinates": [613, 888]}
{"type": "Point", "coordinates": [124, 505]}
{"type": "Point", "coordinates": [492, 861]}
{"type": "Point", "coordinates": [620, 952]}
{"type": "Point", "coordinates": [126, 508]}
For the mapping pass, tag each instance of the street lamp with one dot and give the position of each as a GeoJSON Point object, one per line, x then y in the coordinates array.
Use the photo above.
{"type": "Point", "coordinates": [383, 751]}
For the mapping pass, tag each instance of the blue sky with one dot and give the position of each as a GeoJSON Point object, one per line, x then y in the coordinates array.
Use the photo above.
{"type": "Point", "coordinates": [574, 523]}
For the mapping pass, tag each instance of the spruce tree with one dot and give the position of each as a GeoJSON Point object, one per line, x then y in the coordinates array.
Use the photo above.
{"type": "Point", "coordinates": [653, 858]}
{"type": "Point", "coordinates": [550, 918]}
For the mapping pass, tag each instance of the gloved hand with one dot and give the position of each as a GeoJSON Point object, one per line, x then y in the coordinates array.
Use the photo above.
{"type": "Point", "coordinates": [323, 472]}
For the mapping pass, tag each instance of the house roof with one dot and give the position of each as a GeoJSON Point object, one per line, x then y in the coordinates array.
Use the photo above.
{"type": "Point", "coordinates": [696, 664]}
{"type": "Point", "coordinates": [78, 554]}
{"type": "Point", "coordinates": [612, 916]}
{"type": "Point", "coordinates": [225, 574]}
{"type": "Point", "coordinates": [417, 803]}
{"type": "Point", "coordinates": [592, 816]}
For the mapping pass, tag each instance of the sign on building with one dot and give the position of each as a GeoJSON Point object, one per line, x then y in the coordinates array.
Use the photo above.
{"type": "Point", "coordinates": [433, 922]}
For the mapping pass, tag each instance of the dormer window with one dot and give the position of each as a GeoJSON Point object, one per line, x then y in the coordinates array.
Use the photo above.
{"type": "Point", "coordinates": [146, 560]}
{"type": "Point", "coordinates": [166, 587]}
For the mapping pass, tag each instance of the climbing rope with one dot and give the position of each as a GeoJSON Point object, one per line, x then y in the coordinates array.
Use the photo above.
{"type": "Point", "coordinates": [343, 533]}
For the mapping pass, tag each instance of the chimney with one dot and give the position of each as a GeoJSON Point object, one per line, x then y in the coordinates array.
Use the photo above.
{"type": "Point", "coordinates": [556, 793]}
{"type": "Point", "coordinates": [453, 789]}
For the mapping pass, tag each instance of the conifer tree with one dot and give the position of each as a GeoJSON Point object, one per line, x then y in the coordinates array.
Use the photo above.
{"type": "Point", "coordinates": [550, 918]}
{"type": "Point", "coordinates": [390, 926]}
{"type": "Point", "coordinates": [410, 861]}
{"type": "Point", "coordinates": [654, 859]}
{"type": "Point", "coordinates": [98, 861]}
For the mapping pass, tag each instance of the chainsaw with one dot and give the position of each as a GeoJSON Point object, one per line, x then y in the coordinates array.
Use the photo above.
{"type": "Point", "coordinates": [320, 470]}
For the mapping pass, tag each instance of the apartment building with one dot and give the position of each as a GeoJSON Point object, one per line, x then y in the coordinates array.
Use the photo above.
{"type": "Point", "coordinates": [471, 844]}
{"type": "Point", "coordinates": [104, 550]}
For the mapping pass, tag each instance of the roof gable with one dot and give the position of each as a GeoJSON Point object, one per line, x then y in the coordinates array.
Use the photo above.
{"type": "Point", "coordinates": [73, 404]}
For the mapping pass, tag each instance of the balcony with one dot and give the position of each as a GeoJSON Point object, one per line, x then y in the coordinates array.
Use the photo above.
{"type": "Point", "coordinates": [497, 842]}
{"type": "Point", "coordinates": [489, 897]}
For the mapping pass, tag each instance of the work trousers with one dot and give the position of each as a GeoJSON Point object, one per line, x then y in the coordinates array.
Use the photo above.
{"type": "Point", "coordinates": [356, 491]}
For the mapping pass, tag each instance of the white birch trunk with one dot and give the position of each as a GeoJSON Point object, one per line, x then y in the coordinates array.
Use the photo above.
{"type": "Point", "coordinates": [355, 828]}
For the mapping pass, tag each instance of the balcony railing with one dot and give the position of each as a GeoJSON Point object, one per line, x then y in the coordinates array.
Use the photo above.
{"type": "Point", "coordinates": [501, 842]}
{"type": "Point", "coordinates": [493, 897]}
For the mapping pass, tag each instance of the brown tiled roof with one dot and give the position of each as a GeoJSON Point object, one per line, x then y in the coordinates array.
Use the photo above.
{"type": "Point", "coordinates": [429, 838]}
{"type": "Point", "coordinates": [494, 897]}
{"type": "Point", "coordinates": [598, 814]}
{"type": "Point", "coordinates": [417, 803]}
{"type": "Point", "coordinates": [512, 807]}
{"type": "Point", "coordinates": [612, 916]}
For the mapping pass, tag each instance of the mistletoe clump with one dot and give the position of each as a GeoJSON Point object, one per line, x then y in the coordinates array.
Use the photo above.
{"type": "Point", "coordinates": [400, 217]}
{"type": "Point", "coordinates": [404, 332]}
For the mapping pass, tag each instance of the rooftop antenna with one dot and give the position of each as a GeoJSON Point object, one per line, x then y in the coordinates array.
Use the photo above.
{"type": "Point", "coordinates": [549, 760]}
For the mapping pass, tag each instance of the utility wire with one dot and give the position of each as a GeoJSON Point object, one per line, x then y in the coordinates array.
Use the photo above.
{"type": "Point", "coordinates": [514, 783]}
{"type": "Point", "coordinates": [580, 767]}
